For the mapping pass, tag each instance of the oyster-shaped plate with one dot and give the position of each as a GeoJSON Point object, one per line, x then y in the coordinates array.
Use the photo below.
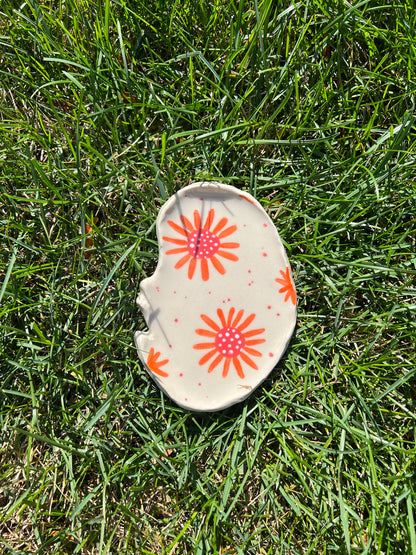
{"type": "Point", "coordinates": [221, 305]}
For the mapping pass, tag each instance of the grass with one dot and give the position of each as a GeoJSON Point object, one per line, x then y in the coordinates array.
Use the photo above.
{"type": "Point", "coordinates": [106, 109]}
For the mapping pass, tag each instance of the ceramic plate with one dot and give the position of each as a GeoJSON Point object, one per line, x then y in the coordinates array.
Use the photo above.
{"type": "Point", "coordinates": [221, 305]}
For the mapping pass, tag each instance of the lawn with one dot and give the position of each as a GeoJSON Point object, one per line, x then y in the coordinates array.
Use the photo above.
{"type": "Point", "coordinates": [106, 109]}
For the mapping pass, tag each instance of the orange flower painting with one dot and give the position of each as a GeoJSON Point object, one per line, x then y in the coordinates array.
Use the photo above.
{"type": "Point", "coordinates": [229, 343]}
{"type": "Point", "coordinates": [202, 243]}
{"type": "Point", "coordinates": [155, 365]}
{"type": "Point", "coordinates": [288, 286]}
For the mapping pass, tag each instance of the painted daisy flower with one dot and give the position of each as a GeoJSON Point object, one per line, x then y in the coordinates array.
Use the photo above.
{"type": "Point", "coordinates": [229, 342]}
{"type": "Point", "coordinates": [288, 286]}
{"type": "Point", "coordinates": [202, 243]}
{"type": "Point", "coordinates": [155, 365]}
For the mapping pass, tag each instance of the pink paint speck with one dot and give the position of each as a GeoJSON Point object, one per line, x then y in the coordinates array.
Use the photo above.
{"type": "Point", "coordinates": [157, 289]}
{"type": "Point", "coordinates": [176, 319]}
{"type": "Point", "coordinates": [200, 383]}
{"type": "Point", "coordinates": [265, 254]}
{"type": "Point", "coordinates": [269, 307]}
{"type": "Point", "coordinates": [278, 314]}
{"type": "Point", "coordinates": [170, 346]}
{"type": "Point", "coordinates": [181, 375]}
{"type": "Point", "coordinates": [264, 225]}
{"type": "Point", "coordinates": [270, 354]}
{"type": "Point", "coordinates": [249, 271]}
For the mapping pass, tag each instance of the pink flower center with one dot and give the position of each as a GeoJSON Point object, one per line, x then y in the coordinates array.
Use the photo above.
{"type": "Point", "coordinates": [203, 244]}
{"type": "Point", "coordinates": [229, 342]}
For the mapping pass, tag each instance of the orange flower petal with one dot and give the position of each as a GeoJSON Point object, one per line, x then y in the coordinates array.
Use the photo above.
{"type": "Point", "coordinates": [210, 217]}
{"type": "Point", "coordinates": [210, 322]}
{"type": "Point", "coordinates": [183, 261]}
{"type": "Point", "coordinates": [238, 367]}
{"type": "Point", "coordinates": [253, 332]}
{"type": "Point", "coordinates": [227, 231]}
{"type": "Point", "coordinates": [215, 363]}
{"type": "Point", "coordinates": [206, 357]}
{"type": "Point", "coordinates": [251, 351]}
{"type": "Point", "coordinates": [177, 251]}
{"type": "Point", "coordinates": [187, 224]}
{"type": "Point", "coordinates": [252, 342]}
{"type": "Point", "coordinates": [222, 317]}
{"type": "Point", "coordinates": [175, 241]}
{"type": "Point", "coordinates": [246, 322]}
{"type": "Point", "coordinates": [230, 316]}
{"type": "Point", "coordinates": [226, 367]}
{"type": "Point", "coordinates": [228, 255]}
{"type": "Point", "coordinates": [197, 219]}
{"type": "Point", "coordinates": [229, 245]}
{"type": "Point", "coordinates": [205, 333]}
{"type": "Point", "coordinates": [238, 318]}
{"type": "Point", "coordinates": [220, 225]}
{"type": "Point", "coordinates": [177, 228]}
{"type": "Point", "coordinates": [248, 361]}
{"type": "Point", "coordinates": [191, 268]}
{"type": "Point", "coordinates": [217, 265]}
{"type": "Point", "coordinates": [204, 269]}
{"type": "Point", "coordinates": [204, 346]}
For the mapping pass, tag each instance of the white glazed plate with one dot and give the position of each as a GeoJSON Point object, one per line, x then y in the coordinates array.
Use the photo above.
{"type": "Point", "coordinates": [221, 305]}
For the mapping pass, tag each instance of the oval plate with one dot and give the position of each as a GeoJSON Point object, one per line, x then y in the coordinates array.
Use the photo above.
{"type": "Point", "coordinates": [221, 305]}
